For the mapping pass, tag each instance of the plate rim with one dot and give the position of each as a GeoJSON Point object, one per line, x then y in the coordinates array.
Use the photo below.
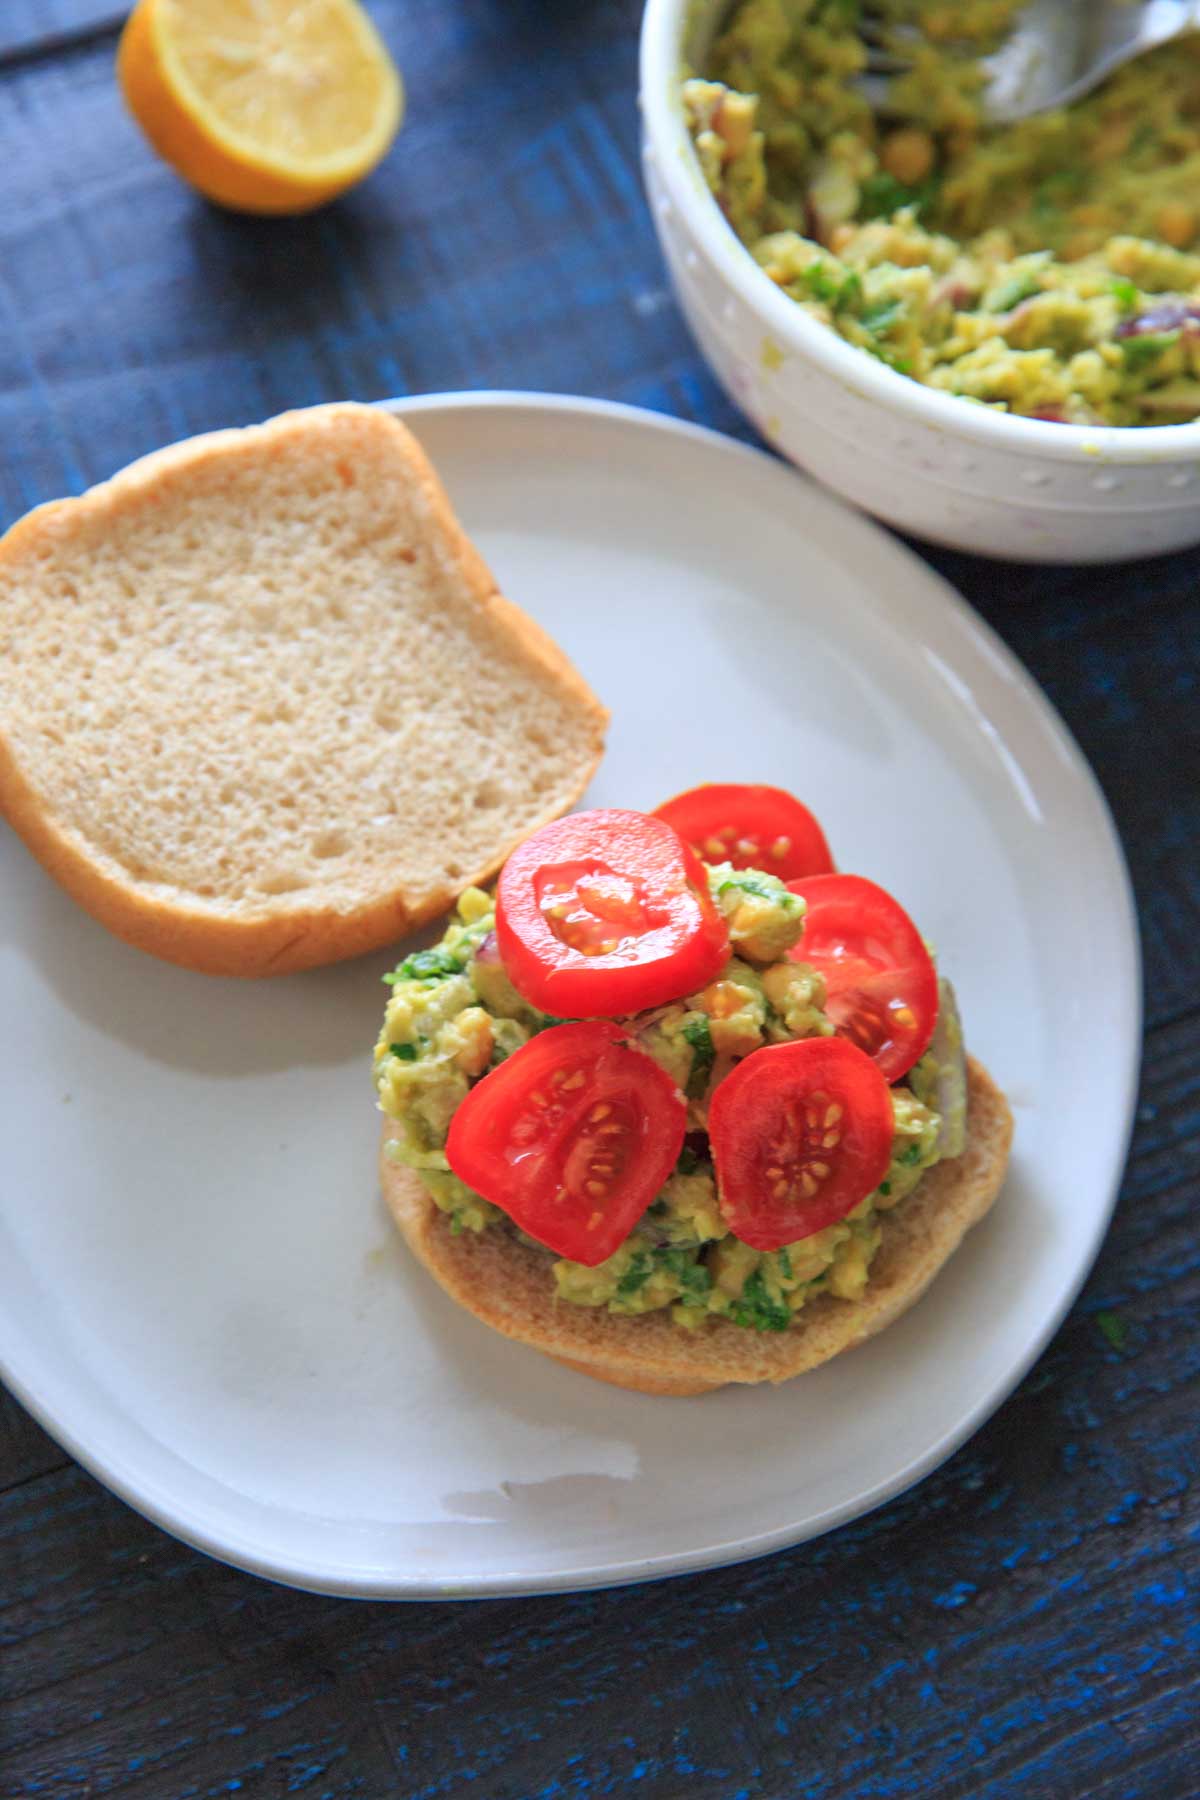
{"type": "Point", "coordinates": [187, 1524]}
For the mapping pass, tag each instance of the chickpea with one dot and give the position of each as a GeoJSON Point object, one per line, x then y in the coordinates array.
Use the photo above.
{"type": "Point", "coordinates": [722, 999]}
{"type": "Point", "coordinates": [1081, 244]}
{"type": "Point", "coordinates": [735, 122]}
{"type": "Point", "coordinates": [907, 154]}
{"type": "Point", "coordinates": [938, 25]}
{"type": "Point", "coordinates": [1176, 224]}
{"type": "Point", "coordinates": [1112, 139]}
{"type": "Point", "coordinates": [1092, 214]}
{"type": "Point", "coordinates": [474, 1031]}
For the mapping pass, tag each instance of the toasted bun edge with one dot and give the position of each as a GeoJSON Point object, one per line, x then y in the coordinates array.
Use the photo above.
{"type": "Point", "coordinates": [507, 1285]}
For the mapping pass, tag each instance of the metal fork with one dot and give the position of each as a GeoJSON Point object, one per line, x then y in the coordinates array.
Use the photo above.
{"type": "Point", "coordinates": [1056, 51]}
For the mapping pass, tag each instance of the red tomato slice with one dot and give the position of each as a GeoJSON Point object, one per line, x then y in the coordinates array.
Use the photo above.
{"type": "Point", "coordinates": [606, 913]}
{"type": "Point", "coordinates": [800, 1134]}
{"type": "Point", "coordinates": [880, 982]}
{"type": "Point", "coordinates": [751, 827]}
{"type": "Point", "coordinates": [573, 1136]}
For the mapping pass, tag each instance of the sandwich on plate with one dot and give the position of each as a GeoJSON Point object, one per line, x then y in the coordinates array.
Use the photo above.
{"type": "Point", "coordinates": [681, 1105]}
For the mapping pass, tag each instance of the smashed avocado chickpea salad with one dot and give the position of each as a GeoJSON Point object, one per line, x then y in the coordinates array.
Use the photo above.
{"type": "Point", "coordinates": [1047, 267]}
{"type": "Point", "coordinates": [681, 1055]}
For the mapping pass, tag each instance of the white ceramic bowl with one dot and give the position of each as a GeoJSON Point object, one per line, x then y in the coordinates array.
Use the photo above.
{"type": "Point", "coordinates": [923, 460]}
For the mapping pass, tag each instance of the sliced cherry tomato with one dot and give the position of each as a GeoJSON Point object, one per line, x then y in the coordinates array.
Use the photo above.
{"type": "Point", "coordinates": [880, 983]}
{"type": "Point", "coordinates": [800, 1133]}
{"type": "Point", "coordinates": [572, 1136]}
{"type": "Point", "coordinates": [606, 913]}
{"type": "Point", "coordinates": [751, 827]}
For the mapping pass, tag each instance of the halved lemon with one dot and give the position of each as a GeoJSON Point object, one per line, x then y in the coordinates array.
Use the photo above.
{"type": "Point", "coordinates": [266, 106]}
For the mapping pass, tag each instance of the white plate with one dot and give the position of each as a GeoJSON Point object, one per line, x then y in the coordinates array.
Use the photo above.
{"type": "Point", "coordinates": [200, 1295]}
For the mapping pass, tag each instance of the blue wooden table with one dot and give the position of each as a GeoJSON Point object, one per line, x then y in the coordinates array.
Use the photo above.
{"type": "Point", "coordinates": [1027, 1621]}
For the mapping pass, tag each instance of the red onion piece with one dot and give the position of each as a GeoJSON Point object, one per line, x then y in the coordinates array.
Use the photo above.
{"type": "Point", "coordinates": [1171, 314]}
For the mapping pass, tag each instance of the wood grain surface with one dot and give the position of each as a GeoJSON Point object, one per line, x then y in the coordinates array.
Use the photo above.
{"type": "Point", "coordinates": [1027, 1621]}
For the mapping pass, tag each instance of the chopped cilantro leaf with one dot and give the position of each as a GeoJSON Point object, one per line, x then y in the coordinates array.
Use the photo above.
{"type": "Point", "coordinates": [747, 882]}
{"type": "Point", "coordinates": [883, 195]}
{"type": "Point", "coordinates": [1126, 293]}
{"type": "Point", "coordinates": [910, 1155]}
{"type": "Point", "coordinates": [428, 965]}
{"type": "Point", "coordinates": [819, 282]}
{"type": "Point", "coordinates": [1147, 347]}
{"type": "Point", "coordinates": [901, 364]}
{"type": "Point", "coordinates": [696, 1032]}
{"type": "Point", "coordinates": [824, 285]}
{"type": "Point", "coordinates": [756, 1309]}
{"type": "Point", "coordinates": [881, 316]}
{"type": "Point", "coordinates": [785, 1262]}
{"type": "Point", "coordinates": [405, 1052]}
{"type": "Point", "coordinates": [691, 1275]}
{"type": "Point", "coordinates": [1011, 293]}
{"type": "Point", "coordinates": [636, 1275]}
{"type": "Point", "coordinates": [885, 1187]}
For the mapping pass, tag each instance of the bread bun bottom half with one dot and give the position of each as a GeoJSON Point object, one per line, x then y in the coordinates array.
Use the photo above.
{"type": "Point", "coordinates": [508, 1285]}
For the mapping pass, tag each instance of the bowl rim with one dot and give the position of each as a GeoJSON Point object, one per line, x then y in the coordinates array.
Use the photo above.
{"type": "Point", "coordinates": [661, 74]}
